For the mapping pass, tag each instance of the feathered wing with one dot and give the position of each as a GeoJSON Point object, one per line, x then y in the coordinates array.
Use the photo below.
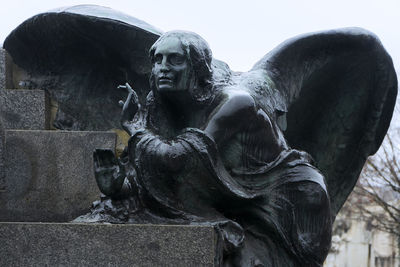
{"type": "Point", "coordinates": [79, 55]}
{"type": "Point", "coordinates": [337, 89]}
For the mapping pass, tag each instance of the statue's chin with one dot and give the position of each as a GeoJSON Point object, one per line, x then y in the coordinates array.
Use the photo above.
{"type": "Point", "coordinates": [175, 95]}
{"type": "Point", "coordinates": [169, 88]}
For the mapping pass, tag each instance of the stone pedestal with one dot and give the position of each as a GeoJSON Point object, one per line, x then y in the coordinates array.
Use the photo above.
{"type": "Point", "coordinates": [49, 174]}
{"type": "Point", "coordinates": [24, 109]}
{"type": "Point", "coordinates": [2, 171]}
{"type": "Point", "coordinates": [51, 244]}
{"type": "Point", "coordinates": [2, 69]}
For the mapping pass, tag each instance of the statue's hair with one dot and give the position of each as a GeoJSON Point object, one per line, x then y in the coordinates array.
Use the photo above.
{"type": "Point", "coordinates": [196, 50]}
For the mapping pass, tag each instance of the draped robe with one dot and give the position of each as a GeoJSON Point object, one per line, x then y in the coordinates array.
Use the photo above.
{"type": "Point", "coordinates": [267, 202]}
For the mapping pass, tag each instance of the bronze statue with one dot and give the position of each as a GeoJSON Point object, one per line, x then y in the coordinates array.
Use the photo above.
{"type": "Point", "coordinates": [207, 145]}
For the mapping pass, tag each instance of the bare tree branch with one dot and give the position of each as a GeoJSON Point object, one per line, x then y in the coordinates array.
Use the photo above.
{"type": "Point", "coordinates": [376, 197]}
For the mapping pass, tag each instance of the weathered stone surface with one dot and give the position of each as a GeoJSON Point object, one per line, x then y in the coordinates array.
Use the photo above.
{"type": "Point", "coordinates": [24, 109]}
{"type": "Point", "coordinates": [2, 68]}
{"type": "Point", "coordinates": [49, 174]}
{"type": "Point", "coordinates": [2, 174]}
{"type": "Point", "coordinates": [50, 244]}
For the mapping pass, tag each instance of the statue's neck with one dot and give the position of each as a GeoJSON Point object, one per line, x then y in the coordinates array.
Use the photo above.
{"type": "Point", "coordinates": [183, 110]}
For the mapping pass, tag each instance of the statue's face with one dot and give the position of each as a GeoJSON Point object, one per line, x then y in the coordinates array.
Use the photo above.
{"type": "Point", "coordinates": [171, 70]}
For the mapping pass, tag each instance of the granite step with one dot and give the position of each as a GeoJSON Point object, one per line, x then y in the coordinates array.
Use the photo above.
{"type": "Point", "coordinates": [4, 68]}
{"type": "Point", "coordinates": [49, 174]}
{"type": "Point", "coordinates": [60, 244]}
{"type": "Point", "coordinates": [2, 166]}
{"type": "Point", "coordinates": [24, 109]}
{"type": "Point", "coordinates": [57, 244]}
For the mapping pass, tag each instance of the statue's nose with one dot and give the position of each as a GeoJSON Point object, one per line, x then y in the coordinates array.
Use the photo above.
{"type": "Point", "coordinates": [164, 65]}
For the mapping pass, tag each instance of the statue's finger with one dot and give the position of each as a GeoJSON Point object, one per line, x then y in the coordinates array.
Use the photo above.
{"type": "Point", "coordinates": [121, 103]}
{"type": "Point", "coordinates": [135, 97]}
{"type": "Point", "coordinates": [130, 90]}
{"type": "Point", "coordinates": [96, 159]}
{"type": "Point", "coordinates": [102, 158]}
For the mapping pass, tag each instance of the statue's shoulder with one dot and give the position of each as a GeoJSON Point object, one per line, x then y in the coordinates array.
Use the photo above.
{"type": "Point", "coordinates": [235, 99]}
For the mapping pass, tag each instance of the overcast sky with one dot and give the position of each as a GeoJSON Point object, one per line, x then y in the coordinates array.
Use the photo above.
{"type": "Point", "coordinates": [239, 32]}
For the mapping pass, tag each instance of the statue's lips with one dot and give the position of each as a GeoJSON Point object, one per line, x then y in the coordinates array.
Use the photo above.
{"type": "Point", "coordinates": [164, 80]}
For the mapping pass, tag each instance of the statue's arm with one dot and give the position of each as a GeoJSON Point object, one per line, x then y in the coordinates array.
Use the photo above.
{"type": "Point", "coordinates": [239, 114]}
{"type": "Point", "coordinates": [230, 117]}
{"type": "Point", "coordinates": [130, 108]}
{"type": "Point", "coordinates": [110, 173]}
{"type": "Point", "coordinates": [167, 153]}
{"type": "Point", "coordinates": [236, 108]}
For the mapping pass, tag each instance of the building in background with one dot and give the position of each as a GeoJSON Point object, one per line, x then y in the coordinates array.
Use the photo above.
{"type": "Point", "coordinates": [358, 240]}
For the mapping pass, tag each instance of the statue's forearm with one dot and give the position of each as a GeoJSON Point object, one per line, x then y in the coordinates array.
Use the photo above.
{"type": "Point", "coordinates": [168, 153]}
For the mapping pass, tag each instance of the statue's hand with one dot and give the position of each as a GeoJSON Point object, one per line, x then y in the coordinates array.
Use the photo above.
{"type": "Point", "coordinates": [109, 173]}
{"type": "Point", "coordinates": [129, 107]}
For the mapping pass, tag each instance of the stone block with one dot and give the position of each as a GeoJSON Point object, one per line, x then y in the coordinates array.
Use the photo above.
{"type": "Point", "coordinates": [51, 244]}
{"type": "Point", "coordinates": [7, 69]}
{"type": "Point", "coordinates": [2, 172]}
{"type": "Point", "coordinates": [2, 68]}
{"type": "Point", "coordinates": [24, 109]}
{"type": "Point", "coordinates": [49, 174]}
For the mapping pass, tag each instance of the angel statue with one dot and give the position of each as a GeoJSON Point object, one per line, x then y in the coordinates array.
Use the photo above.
{"type": "Point", "coordinates": [267, 156]}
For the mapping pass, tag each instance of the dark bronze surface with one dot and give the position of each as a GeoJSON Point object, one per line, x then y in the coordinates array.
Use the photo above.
{"type": "Point", "coordinates": [212, 146]}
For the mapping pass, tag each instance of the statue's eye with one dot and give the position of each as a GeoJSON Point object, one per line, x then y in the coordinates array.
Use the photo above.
{"type": "Point", "coordinates": [158, 59]}
{"type": "Point", "coordinates": [176, 59]}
